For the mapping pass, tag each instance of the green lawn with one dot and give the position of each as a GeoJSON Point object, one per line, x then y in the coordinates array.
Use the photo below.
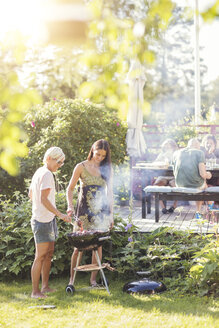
{"type": "Point", "coordinates": [97, 309]}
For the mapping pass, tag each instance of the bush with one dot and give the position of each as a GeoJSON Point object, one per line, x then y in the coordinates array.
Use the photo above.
{"type": "Point", "coordinates": [183, 260]}
{"type": "Point", "coordinates": [181, 134]}
{"type": "Point", "coordinates": [73, 125]}
{"type": "Point", "coordinates": [204, 274]}
{"type": "Point", "coordinates": [170, 256]}
{"type": "Point", "coordinates": [17, 243]}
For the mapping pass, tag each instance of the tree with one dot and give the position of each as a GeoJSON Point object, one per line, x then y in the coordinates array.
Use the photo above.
{"type": "Point", "coordinates": [211, 12]}
{"type": "Point", "coordinates": [127, 29]}
{"type": "Point", "coordinates": [73, 125]}
{"type": "Point", "coordinates": [122, 30]}
{"type": "Point", "coordinates": [53, 71]}
{"type": "Point", "coordinates": [173, 73]}
{"type": "Point", "coordinates": [210, 100]}
{"type": "Point", "coordinates": [14, 102]}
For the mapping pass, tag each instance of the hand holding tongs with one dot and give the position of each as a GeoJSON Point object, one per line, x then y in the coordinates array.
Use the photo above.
{"type": "Point", "coordinates": [79, 222]}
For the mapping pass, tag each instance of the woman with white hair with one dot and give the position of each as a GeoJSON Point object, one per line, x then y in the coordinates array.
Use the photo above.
{"type": "Point", "coordinates": [43, 222]}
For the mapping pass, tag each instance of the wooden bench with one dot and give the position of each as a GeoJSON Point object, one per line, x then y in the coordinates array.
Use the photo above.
{"type": "Point", "coordinates": [175, 193]}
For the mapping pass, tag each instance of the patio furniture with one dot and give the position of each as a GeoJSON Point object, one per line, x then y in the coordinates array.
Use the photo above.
{"type": "Point", "coordinates": [175, 193]}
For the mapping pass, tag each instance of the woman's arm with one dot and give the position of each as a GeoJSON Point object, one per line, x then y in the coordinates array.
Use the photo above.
{"type": "Point", "coordinates": [216, 152]}
{"type": "Point", "coordinates": [30, 194]}
{"type": "Point", "coordinates": [203, 173]}
{"type": "Point", "coordinates": [69, 192]}
{"type": "Point", "coordinates": [48, 205]}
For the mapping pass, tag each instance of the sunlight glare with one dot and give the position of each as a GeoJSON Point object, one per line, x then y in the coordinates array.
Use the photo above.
{"type": "Point", "coordinates": [23, 16]}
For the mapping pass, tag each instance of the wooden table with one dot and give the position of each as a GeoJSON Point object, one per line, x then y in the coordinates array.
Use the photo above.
{"type": "Point", "coordinates": [158, 171]}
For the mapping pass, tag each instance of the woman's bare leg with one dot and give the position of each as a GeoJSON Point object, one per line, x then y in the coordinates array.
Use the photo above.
{"type": "Point", "coordinates": [46, 269]}
{"type": "Point", "coordinates": [73, 264]}
{"type": "Point", "coordinates": [198, 206]}
{"type": "Point", "coordinates": [40, 255]}
{"type": "Point", "coordinates": [94, 261]}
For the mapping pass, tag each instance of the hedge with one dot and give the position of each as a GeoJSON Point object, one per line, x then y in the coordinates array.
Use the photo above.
{"type": "Point", "coordinates": [73, 125]}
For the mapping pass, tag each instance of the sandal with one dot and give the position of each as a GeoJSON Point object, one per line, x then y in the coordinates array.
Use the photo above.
{"type": "Point", "coordinates": [94, 284]}
{"type": "Point", "coordinates": [198, 216]}
{"type": "Point", "coordinates": [164, 210]}
{"type": "Point", "coordinates": [171, 209]}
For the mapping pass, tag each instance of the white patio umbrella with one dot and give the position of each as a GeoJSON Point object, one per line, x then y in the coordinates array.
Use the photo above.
{"type": "Point", "coordinates": [136, 145]}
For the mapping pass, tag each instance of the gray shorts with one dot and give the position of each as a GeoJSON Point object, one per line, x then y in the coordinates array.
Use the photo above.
{"type": "Point", "coordinates": [44, 232]}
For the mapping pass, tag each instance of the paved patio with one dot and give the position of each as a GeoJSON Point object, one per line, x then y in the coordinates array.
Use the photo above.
{"type": "Point", "coordinates": [183, 218]}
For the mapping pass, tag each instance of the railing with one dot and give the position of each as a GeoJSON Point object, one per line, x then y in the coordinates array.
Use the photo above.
{"type": "Point", "coordinates": [212, 128]}
{"type": "Point", "coordinates": [155, 134]}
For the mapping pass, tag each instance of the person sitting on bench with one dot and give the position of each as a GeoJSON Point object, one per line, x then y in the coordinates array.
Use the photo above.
{"type": "Point", "coordinates": [211, 152]}
{"type": "Point", "coordinates": [189, 169]}
{"type": "Point", "coordinates": [168, 147]}
{"type": "Point", "coordinates": [209, 148]}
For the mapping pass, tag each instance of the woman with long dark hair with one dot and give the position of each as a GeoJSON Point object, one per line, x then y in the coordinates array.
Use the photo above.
{"type": "Point", "coordinates": [211, 152]}
{"type": "Point", "coordinates": [95, 198]}
{"type": "Point", "coordinates": [209, 147]}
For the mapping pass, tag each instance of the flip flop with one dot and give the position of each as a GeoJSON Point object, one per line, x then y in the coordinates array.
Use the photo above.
{"type": "Point", "coordinates": [94, 285]}
{"type": "Point", "coordinates": [171, 209]}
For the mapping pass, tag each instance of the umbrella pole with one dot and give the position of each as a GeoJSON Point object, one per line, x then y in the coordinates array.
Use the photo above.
{"type": "Point", "coordinates": [131, 183]}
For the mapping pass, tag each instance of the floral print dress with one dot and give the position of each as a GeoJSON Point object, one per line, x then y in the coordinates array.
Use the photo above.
{"type": "Point", "coordinates": [92, 206]}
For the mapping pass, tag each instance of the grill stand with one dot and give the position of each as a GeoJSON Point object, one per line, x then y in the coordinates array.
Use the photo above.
{"type": "Point", "coordinates": [88, 244]}
{"type": "Point", "coordinates": [91, 267]}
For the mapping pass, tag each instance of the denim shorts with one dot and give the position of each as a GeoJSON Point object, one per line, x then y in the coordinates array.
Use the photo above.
{"type": "Point", "coordinates": [44, 232]}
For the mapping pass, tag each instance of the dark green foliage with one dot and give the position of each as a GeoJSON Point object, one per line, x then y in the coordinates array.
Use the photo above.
{"type": "Point", "coordinates": [183, 260]}
{"type": "Point", "coordinates": [181, 134]}
{"type": "Point", "coordinates": [162, 252]}
{"type": "Point", "coordinates": [74, 126]}
{"type": "Point", "coordinates": [17, 242]}
{"type": "Point", "coordinates": [52, 71]}
{"type": "Point", "coordinates": [204, 274]}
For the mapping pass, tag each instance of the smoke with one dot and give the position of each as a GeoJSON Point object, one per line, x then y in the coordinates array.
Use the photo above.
{"type": "Point", "coordinates": [167, 109]}
{"type": "Point", "coordinates": [121, 182]}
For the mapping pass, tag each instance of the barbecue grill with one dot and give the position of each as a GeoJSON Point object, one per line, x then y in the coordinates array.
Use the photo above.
{"type": "Point", "coordinates": [88, 240]}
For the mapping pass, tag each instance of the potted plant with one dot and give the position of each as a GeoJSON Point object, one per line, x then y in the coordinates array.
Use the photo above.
{"type": "Point", "coordinates": [122, 196]}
